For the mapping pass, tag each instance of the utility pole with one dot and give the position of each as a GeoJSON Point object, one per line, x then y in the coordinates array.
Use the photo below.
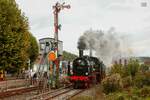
{"type": "Point", "coordinates": [57, 8]}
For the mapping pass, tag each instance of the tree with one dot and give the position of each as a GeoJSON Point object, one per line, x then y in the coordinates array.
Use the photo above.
{"type": "Point", "coordinates": [14, 37]}
{"type": "Point", "coordinates": [117, 68]}
{"type": "Point", "coordinates": [144, 68]}
{"type": "Point", "coordinates": [133, 67]}
{"type": "Point", "coordinates": [69, 56]}
{"type": "Point", "coordinates": [130, 70]}
{"type": "Point", "coordinates": [33, 49]}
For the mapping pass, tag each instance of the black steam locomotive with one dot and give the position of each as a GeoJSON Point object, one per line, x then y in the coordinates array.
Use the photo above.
{"type": "Point", "coordinates": [86, 71]}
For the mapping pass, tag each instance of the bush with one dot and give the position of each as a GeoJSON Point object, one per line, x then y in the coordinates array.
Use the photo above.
{"type": "Point", "coordinates": [135, 91]}
{"type": "Point", "coordinates": [145, 92]}
{"type": "Point", "coordinates": [144, 68]}
{"type": "Point", "coordinates": [147, 78]}
{"type": "Point", "coordinates": [122, 96]}
{"type": "Point", "coordinates": [142, 79]}
{"type": "Point", "coordinates": [139, 94]}
{"type": "Point", "coordinates": [133, 67]}
{"type": "Point", "coordinates": [127, 81]}
{"type": "Point", "coordinates": [117, 68]}
{"type": "Point", "coordinates": [116, 96]}
{"type": "Point", "coordinates": [82, 98]}
{"type": "Point", "coordinates": [135, 98]}
{"type": "Point", "coordinates": [112, 83]}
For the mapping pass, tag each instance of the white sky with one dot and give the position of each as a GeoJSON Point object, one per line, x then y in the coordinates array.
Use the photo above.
{"type": "Point", "coordinates": [127, 16]}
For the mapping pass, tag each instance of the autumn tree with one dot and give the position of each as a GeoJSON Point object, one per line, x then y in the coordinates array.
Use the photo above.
{"type": "Point", "coordinates": [33, 49]}
{"type": "Point", "coordinates": [117, 68]}
{"type": "Point", "coordinates": [14, 37]}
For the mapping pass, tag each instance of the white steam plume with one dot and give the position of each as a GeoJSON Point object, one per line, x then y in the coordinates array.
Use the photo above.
{"type": "Point", "coordinates": [107, 45]}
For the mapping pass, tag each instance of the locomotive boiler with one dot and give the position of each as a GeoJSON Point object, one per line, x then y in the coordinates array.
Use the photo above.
{"type": "Point", "coordinates": [87, 70]}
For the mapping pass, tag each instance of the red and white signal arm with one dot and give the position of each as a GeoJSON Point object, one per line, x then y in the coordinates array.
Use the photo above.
{"type": "Point", "coordinates": [52, 56]}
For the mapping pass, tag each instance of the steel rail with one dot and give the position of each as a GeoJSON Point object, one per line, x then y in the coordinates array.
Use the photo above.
{"type": "Point", "coordinates": [58, 94]}
{"type": "Point", "coordinates": [47, 93]}
{"type": "Point", "coordinates": [16, 91]}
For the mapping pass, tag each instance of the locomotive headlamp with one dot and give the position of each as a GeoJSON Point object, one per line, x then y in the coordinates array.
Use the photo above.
{"type": "Point", "coordinates": [86, 73]}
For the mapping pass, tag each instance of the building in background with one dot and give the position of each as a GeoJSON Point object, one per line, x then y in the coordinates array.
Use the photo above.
{"type": "Point", "coordinates": [46, 45]}
{"type": "Point", "coordinates": [125, 60]}
{"type": "Point", "coordinates": [49, 42]}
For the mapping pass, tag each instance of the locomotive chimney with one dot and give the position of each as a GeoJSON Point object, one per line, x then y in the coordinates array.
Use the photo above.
{"type": "Point", "coordinates": [80, 52]}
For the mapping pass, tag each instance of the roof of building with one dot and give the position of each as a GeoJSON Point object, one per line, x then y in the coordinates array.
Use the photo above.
{"type": "Point", "coordinates": [48, 38]}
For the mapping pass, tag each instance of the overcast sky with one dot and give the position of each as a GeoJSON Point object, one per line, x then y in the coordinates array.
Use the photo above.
{"type": "Point", "coordinates": [128, 18]}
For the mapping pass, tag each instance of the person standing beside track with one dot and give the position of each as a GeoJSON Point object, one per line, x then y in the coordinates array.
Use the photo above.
{"type": "Point", "coordinates": [27, 77]}
{"type": "Point", "coordinates": [34, 79]}
{"type": "Point", "coordinates": [68, 72]}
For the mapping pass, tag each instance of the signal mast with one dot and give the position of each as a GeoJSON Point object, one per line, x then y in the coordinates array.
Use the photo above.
{"type": "Point", "coordinates": [57, 8]}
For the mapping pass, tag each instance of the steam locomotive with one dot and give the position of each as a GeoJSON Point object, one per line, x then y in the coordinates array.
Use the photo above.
{"type": "Point", "coordinates": [87, 70]}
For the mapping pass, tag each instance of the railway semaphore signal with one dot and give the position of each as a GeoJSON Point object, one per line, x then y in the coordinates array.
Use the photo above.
{"type": "Point", "coordinates": [57, 8]}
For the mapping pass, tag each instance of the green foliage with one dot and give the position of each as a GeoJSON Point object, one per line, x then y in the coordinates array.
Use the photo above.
{"type": "Point", "coordinates": [126, 95]}
{"type": "Point", "coordinates": [132, 67]}
{"type": "Point", "coordinates": [82, 98]}
{"type": "Point", "coordinates": [116, 96]}
{"type": "Point", "coordinates": [140, 93]}
{"type": "Point", "coordinates": [33, 49]}
{"type": "Point", "coordinates": [139, 79]}
{"type": "Point", "coordinates": [144, 68]}
{"type": "Point", "coordinates": [134, 91]}
{"type": "Point", "coordinates": [135, 79]}
{"type": "Point", "coordinates": [112, 83]}
{"type": "Point", "coordinates": [117, 68]}
{"type": "Point", "coordinates": [145, 91]}
{"type": "Point", "coordinates": [14, 37]}
{"type": "Point", "coordinates": [130, 70]}
{"type": "Point", "coordinates": [142, 79]}
{"type": "Point", "coordinates": [127, 81]}
{"type": "Point", "coordinates": [69, 56]}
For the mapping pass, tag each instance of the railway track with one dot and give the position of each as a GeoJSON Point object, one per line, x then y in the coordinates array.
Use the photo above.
{"type": "Point", "coordinates": [16, 91]}
{"type": "Point", "coordinates": [42, 95]}
{"type": "Point", "coordinates": [64, 93]}
{"type": "Point", "coordinates": [58, 93]}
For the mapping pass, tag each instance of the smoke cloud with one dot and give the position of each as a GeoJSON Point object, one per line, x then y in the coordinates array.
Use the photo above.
{"type": "Point", "coordinates": [107, 45]}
